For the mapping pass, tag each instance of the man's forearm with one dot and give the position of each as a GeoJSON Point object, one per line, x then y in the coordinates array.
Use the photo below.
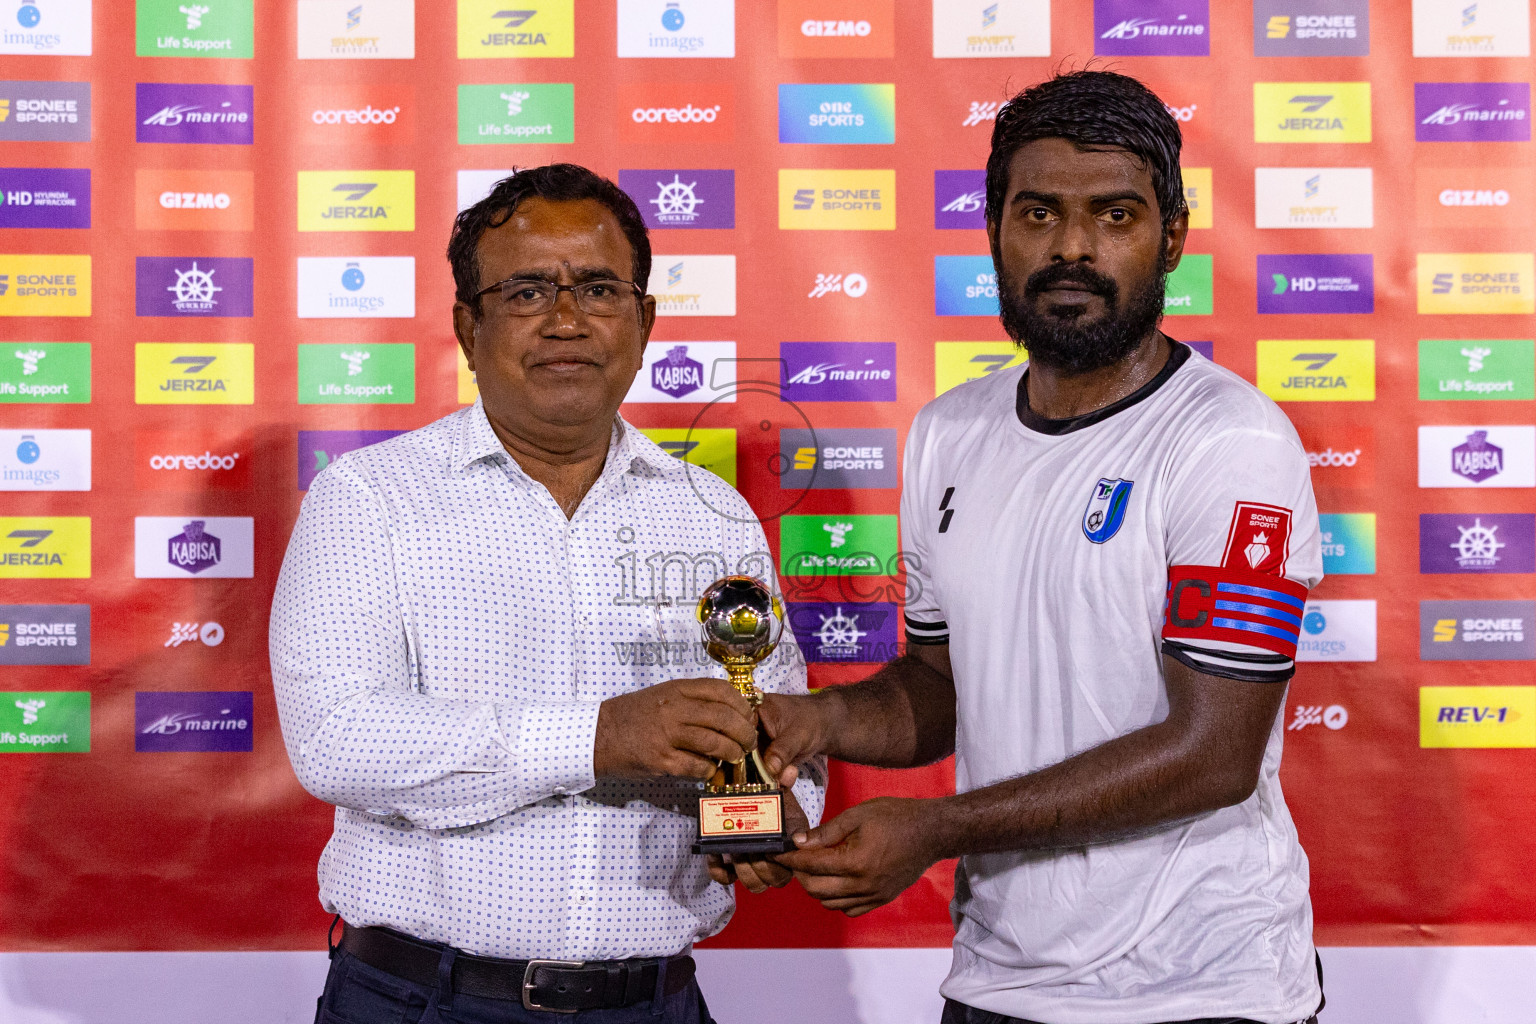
{"type": "Point", "coordinates": [901, 717]}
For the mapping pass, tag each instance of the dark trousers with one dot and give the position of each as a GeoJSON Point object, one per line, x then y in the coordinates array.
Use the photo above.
{"type": "Point", "coordinates": [358, 994]}
{"type": "Point", "coordinates": [959, 1013]}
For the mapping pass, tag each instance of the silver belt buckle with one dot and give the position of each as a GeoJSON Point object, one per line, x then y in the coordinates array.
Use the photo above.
{"type": "Point", "coordinates": [528, 1003]}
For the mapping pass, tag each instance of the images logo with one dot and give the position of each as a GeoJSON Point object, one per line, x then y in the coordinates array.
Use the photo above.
{"type": "Point", "coordinates": [676, 111]}
{"type": "Point", "coordinates": [1313, 197]}
{"type": "Point", "coordinates": [677, 28]}
{"type": "Point", "coordinates": [1472, 111]}
{"type": "Point", "coordinates": [372, 287]}
{"type": "Point", "coordinates": [184, 460]}
{"type": "Point", "coordinates": [357, 200]}
{"type": "Point", "coordinates": [193, 286]}
{"type": "Point", "coordinates": [1482, 456]}
{"type": "Point", "coordinates": [45, 460]}
{"type": "Point", "coordinates": [217, 28]}
{"type": "Point", "coordinates": [44, 197]}
{"type": "Point", "coordinates": [45, 111]}
{"type": "Point", "coordinates": [370, 374]}
{"type": "Point", "coordinates": [964, 286]}
{"type": "Point", "coordinates": [357, 30]}
{"type": "Point", "coordinates": [319, 448]}
{"type": "Point", "coordinates": [1349, 543]}
{"type": "Point", "coordinates": [1488, 542]}
{"type": "Point", "coordinates": [1318, 371]}
{"type": "Point", "coordinates": [173, 547]}
{"type": "Point", "coordinates": [707, 448]}
{"type": "Point", "coordinates": [837, 114]}
{"type": "Point", "coordinates": [45, 372]}
{"type": "Point", "coordinates": [1460, 28]}
{"type": "Point", "coordinates": [1474, 369]}
{"type": "Point", "coordinates": [1191, 287]}
{"type": "Point", "coordinates": [1312, 111]}
{"type": "Point", "coordinates": [1476, 282]}
{"type": "Point", "coordinates": [837, 200]}
{"type": "Point", "coordinates": [695, 286]}
{"type": "Point", "coordinates": [850, 632]}
{"type": "Point", "coordinates": [45, 285]}
{"type": "Point", "coordinates": [957, 362]}
{"type": "Point", "coordinates": [1152, 28]}
{"type": "Point", "coordinates": [959, 199]}
{"type": "Point", "coordinates": [188, 374]}
{"type": "Point", "coordinates": [516, 113]}
{"type": "Point", "coordinates": [45, 634]}
{"type": "Point", "coordinates": [838, 371]}
{"type": "Point", "coordinates": [45, 547]}
{"type": "Point", "coordinates": [694, 371]}
{"type": "Point", "coordinates": [837, 545]}
{"type": "Point", "coordinates": [52, 721]}
{"type": "Point", "coordinates": [184, 721]}
{"type": "Point", "coordinates": [1338, 631]}
{"type": "Point", "coordinates": [1320, 283]}
{"type": "Point", "coordinates": [1311, 28]}
{"type": "Point", "coordinates": [195, 113]}
{"type": "Point", "coordinates": [837, 459]}
{"type": "Point", "coordinates": [1477, 717]}
{"type": "Point", "coordinates": [992, 28]}
{"type": "Point", "coordinates": [1477, 631]}
{"type": "Point", "coordinates": [683, 198]}
{"type": "Point", "coordinates": [182, 200]}
{"type": "Point", "coordinates": [54, 27]}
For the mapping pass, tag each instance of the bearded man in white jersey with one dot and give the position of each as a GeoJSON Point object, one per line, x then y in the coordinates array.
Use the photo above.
{"type": "Point", "coordinates": [1108, 554]}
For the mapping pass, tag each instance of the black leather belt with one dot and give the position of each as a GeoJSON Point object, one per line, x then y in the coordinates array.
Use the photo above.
{"type": "Point", "coordinates": [559, 986]}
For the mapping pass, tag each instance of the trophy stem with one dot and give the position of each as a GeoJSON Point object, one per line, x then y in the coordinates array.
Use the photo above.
{"type": "Point", "coordinates": [740, 675]}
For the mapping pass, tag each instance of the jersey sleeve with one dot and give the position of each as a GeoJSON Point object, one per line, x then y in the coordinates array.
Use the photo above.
{"type": "Point", "coordinates": [1243, 551]}
{"type": "Point", "coordinates": [924, 619]}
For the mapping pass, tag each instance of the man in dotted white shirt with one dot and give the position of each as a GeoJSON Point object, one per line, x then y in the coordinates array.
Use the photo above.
{"type": "Point", "coordinates": [470, 667]}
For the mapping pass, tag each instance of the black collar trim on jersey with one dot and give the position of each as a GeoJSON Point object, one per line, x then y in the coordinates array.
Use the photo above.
{"type": "Point", "coordinates": [1034, 421]}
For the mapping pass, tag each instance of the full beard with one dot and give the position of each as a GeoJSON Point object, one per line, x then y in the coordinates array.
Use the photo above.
{"type": "Point", "coordinates": [1064, 337]}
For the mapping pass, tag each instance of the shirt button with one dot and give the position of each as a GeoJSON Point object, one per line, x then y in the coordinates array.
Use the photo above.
{"type": "Point", "coordinates": [560, 790]}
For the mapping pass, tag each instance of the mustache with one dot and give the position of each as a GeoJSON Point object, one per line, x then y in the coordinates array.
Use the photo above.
{"type": "Point", "coordinates": [1070, 273]}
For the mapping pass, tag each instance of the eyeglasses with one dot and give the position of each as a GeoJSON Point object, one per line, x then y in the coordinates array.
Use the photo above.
{"type": "Point", "coordinates": [526, 296]}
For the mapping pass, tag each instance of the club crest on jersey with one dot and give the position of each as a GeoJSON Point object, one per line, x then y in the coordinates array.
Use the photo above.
{"type": "Point", "coordinates": [1259, 539]}
{"type": "Point", "coordinates": [1105, 513]}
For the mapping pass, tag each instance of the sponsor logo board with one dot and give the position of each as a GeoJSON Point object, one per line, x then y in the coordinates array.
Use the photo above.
{"type": "Point", "coordinates": [957, 362]}
{"type": "Point", "coordinates": [694, 285]}
{"type": "Point", "coordinates": [1312, 111]}
{"type": "Point", "coordinates": [1313, 197]}
{"type": "Point", "coordinates": [533, 28]}
{"type": "Point", "coordinates": [1471, 28]}
{"type": "Point", "coordinates": [1337, 631]}
{"type": "Point", "coordinates": [1318, 371]}
{"type": "Point", "coordinates": [45, 460]}
{"type": "Point", "coordinates": [677, 111]}
{"type": "Point", "coordinates": [1477, 456]}
{"type": "Point", "coordinates": [205, 720]}
{"type": "Point", "coordinates": [194, 286]}
{"type": "Point", "coordinates": [172, 373]}
{"type": "Point", "coordinates": [350, 287]}
{"type": "Point", "coordinates": [848, 458]}
{"type": "Point", "coordinates": [1311, 28]}
{"type": "Point", "coordinates": [677, 28]}
{"type": "Point", "coordinates": [319, 448]}
{"type": "Point", "coordinates": [45, 547]}
{"type": "Point", "coordinates": [215, 28]}
{"type": "Point", "coordinates": [187, 200]}
{"type": "Point", "coordinates": [45, 372]}
{"type": "Point", "coordinates": [837, 545]}
{"type": "Point", "coordinates": [847, 632]}
{"type": "Point", "coordinates": [1152, 28]}
{"type": "Point", "coordinates": [837, 200]}
{"type": "Point", "coordinates": [46, 721]}
{"type": "Point", "coordinates": [992, 28]}
{"type": "Point", "coordinates": [1477, 369]}
{"type": "Point", "coordinates": [959, 199]}
{"type": "Point", "coordinates": [1349, 543]}
{"type": "Point", "coordinates": [1477, 631]}
{"type": "Point", "coordinates": [837, 28]}
{"type": "Point", "coordinates": [844, 114]}
{"type": "Point", "coordinates": [1476, 282]}
{"type": "Point", "coordinates": [35, 285]}
{"type": "Point", "coordinates": [45, 634]}
{"type": "Point", "coordinates": [348, 114]}
{"type": "Point", "coordinates": [357, 29]}
{"type": "Point", "coordinates": [1472, 111]}
{"type": "Point", "coordinates": [964, 286]}
{"type": "Point", "coordinates": [191, 460]}
{"type": "Point", "coordinates": [1191, 287]}
{"type": "Point", "coordinates": [359, 374]}
{"type": "Point", "coordinates": [686, 371]}
{"type": "Point", "coordinates": [1477, 717]}
{"type": "Point", "coordinates": [211, 547]}
{"type": "Point", "coordinates": [838, 371]}
{"type": "Point", "coordinates": [60, 28]}
{"type": "Point", "coordinates": [1480, 542]}
{"type": "Point", "coordinates": [45, 111]}
{"type": "Point", "coordinates": [45, 197]}
{"type": "Point", "coordinates": [1473, 197]}
{"type": "Point", "coordinates": [708, 448]}
{"type": "Point", "coordinates": [1316, 283]}
{"type": "Point", "coordinates": [173, 112]}
{"type": "Point", "coordinates": [519, 112]}
{"type": "Point", "coordinates": [357, 200]}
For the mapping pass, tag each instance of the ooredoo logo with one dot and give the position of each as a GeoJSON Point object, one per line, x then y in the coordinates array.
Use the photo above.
{"type": "Point", "coordinates": [184, 200]}
{"type": "Point", "coordinates": [356, 114]}
{"type": "Point", "coordinates": [837, 28]}
{"type": "Point", "coordinates": [186, 460]}
{"type": "Point", "coordinates": [1341, 455]}
{"type": "Point", "coordinates": [676, 111]}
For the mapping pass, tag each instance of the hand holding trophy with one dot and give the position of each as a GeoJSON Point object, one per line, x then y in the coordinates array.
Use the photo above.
{"type": "Point", "coordinates": [741, 810]}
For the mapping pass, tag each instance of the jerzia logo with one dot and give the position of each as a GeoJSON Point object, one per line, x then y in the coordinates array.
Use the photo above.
{"type": "Point", "coordinates": [1105, 513]}
{"type": "Point", "coordinates": [357, 200]}
{"type": "Point", "coordinates": [494, 28]}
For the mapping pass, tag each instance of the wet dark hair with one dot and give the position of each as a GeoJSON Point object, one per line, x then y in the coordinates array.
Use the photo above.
{"type": "Point", "coordinates": [556, 183]}
{"type": "Point", "coordinates": [1090, 109]}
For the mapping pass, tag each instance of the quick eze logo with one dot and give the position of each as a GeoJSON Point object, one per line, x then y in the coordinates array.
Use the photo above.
{"type": "Point", "coordinates": [1476, 283]}
{"type": "Point", "coordinates": [357, 200]}
{"type": "Point", "coordinates": [1312, 112]}
{"type": "Point", "coordinates": [1477, 630]}
{"type": "Point", "coordinates": [193, 286]}
{"type": "Point", "coordinates": [1318, 371]}
{"type": "Point", "coordinates": [1487, 542]}
{"type": "Point", "coordinates": [837, 200]}
{"type": "Point", "coordinates": [673, 198]}
{"type": "Point", "coordinates": [1472, 111]}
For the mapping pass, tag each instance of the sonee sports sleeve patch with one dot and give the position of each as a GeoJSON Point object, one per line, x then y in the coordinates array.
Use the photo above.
{"type": "Point", "coordinates": [1259, 538]}
{"type": "Point", "coordinates": [1233, 621]}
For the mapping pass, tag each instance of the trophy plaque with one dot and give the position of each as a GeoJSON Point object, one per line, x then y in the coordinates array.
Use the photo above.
{"type": "Point", "coordinates": [741, 810]}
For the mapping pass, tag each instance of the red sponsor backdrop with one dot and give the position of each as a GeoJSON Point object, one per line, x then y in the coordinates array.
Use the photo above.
{"type": "Point", "coordinates": [114, 850]}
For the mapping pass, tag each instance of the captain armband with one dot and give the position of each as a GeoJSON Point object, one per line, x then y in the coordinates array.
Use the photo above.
{"type": "Point", "coordinates": [1215, 607]}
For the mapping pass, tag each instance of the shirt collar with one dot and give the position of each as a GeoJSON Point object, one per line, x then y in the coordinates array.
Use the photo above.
{"type": "Point", "coordinates": [629, 451]}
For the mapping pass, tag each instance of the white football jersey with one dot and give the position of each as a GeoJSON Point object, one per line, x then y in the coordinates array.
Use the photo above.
{"type": "Point", "coordinates": [1060, 560]}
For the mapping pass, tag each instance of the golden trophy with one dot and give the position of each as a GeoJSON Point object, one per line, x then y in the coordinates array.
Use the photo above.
{"type": "Point", "coordinates": [741, 810]}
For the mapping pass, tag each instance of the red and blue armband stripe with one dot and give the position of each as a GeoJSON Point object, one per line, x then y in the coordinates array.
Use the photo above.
{"type": "Point", "coordinates": [1233, 615]}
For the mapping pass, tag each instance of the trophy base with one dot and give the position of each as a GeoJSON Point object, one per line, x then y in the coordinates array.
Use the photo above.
{"type": "Point", "coordinates": [749, 823]}
{"type": "Point", "coordinates": [751, 846]}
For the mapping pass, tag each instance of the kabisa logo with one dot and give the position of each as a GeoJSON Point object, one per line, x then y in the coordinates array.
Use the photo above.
{"type": "Point", "coordinates": [1337, 631]}
{"type": "Point", "coordinates": [53, 721]}
{"type": "Point", "coordinates": [959, 199]}
{"type": "Point", "coordinates": [45, 197]}
{"type": "Point", "coordinates": [1316, 283]}
{"type": "Point", "coordinates": [1477, 456]}
{"type": "Point", "coordinates": [45, 460]}
{"type": "Point", "coordinates": [677, 375]}
{"type": "Point", "coordinates": [964, 286]}
{"type": "Point", "coordinates": [217, 28]}
{"type": "Point", "coordinates": [194, 550]}
{"type": "Point", "coordinates": [174, 547]}
{"type": "Point", "coordinates": [838, 371]}
{"type": "Point", "coordinates": [1318, 371]}
{"type": "Point", "coordinates": [201, 374]}
{"type": "Point", "coordinates": [45, 111]}
{"type": "Point", "coordinates": [319, 448]}
{"type": "Point", "coordinates": [845, 632]}
{"type": "Point", "coordinates": [51, 372]}
{"type": "Point", "coordinates": [1152, 28]}
{"type": "Point", "coordinates": [676, 28]}
{"type": "Point", "coordinates": [195, 113]}
{"type": "Point", "coordinates": [852, 285]}
{"type": "Point", "coordinates": [1472, 111]}
{"type": "Point", "coordinates": [837, 113]}
{"type": "Point", "coordinates": [1489, 542]}
{"type": "Point", "coordinates": [45, 634]}
{"type": "Point", "coordinates": [167, 720]}
{"type": "Point", "coordinates": [1477, 631]}
{"type": "Point", "coordinates": [361, 286]}
{"type": "Point", "coordinates": [836, 459]}
{"type": "Point", "coordinates": [683, 198]}
{"type": "Point", "coordinates": [54, 27]}
{"type": "Point", "coordinates": [1311, 28]}
{"type": "Point", "coordinates": [39, 547]}
{"type": "Point", "coordinates": [1312, 111]}
{"type": "Point", "coordinates": [357, 200]}
{"type": "Point", "coordinates": [837, 200]}
{"type": "Point", "coordinates": [195, 286]}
